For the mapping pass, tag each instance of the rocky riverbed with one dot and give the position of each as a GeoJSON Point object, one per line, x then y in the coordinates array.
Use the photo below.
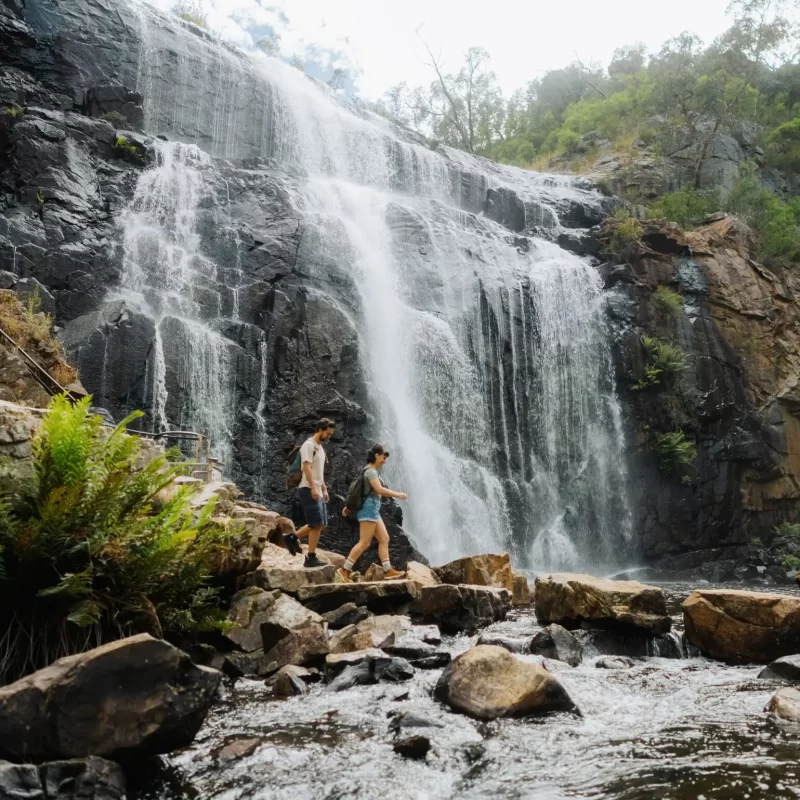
{"type": "Point", "coordinates": [675, 728]}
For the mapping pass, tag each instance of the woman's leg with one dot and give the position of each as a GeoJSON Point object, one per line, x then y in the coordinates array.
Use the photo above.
{"type": "Point", "coordinates": [366, 531]}
{"type": "Point", "coordinates": [382, 536]}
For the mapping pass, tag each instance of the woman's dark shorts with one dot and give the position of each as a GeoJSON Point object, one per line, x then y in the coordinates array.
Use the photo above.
{"type": "Point", "coordinates": [315, 511]}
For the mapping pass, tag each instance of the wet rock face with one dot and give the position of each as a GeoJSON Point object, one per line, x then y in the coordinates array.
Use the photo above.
{"type": "Point", "coordinates": [135, 697]}
{"type": "Point", "coordinates": [488, 682]}
{"type": "Point", "coordinates": [739, 626]}
{"type": "Point", "coordinates": [735, 400]}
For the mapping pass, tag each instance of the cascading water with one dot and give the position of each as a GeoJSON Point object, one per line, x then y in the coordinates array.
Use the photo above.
{"type": "Point", "coordinates": [488, 365]}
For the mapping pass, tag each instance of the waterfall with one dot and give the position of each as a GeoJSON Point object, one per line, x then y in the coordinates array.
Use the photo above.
{"type": "Point", "coordinates": [488, 365]}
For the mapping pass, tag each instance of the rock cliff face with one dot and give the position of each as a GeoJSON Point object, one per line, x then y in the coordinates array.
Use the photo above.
{"type": "Point", "coordinates": [228, 248]}
{"type": "Point", "coordinates": [737, 399]}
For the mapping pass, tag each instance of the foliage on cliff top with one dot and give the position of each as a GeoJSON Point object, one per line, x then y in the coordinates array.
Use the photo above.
{"type": "Point", "coordinates": [94, 553]}
{"type": "Point", "coordinates": [31, 329]}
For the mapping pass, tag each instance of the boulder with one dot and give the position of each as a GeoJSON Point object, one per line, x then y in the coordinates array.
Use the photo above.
{"type": "Point", "coordinates": [415, 747]}
{"type": "Point", "coordinates": [510, 643]}
{"type": "Point", "coordinates": [279, 569]}
{"type": "Point", "coordinates": [89, 778]}
{"type": "Point", "coordinates": [348, 614]}
{"type": "Point", "coordinates": [421, 574]}
{"type": "Point", "coordinates": [573, 601]}
{"type": "Point", "coordinates": [236, 749]}
{"type": "Point", "coordinates": [305, 674]}
{"type": "Point", "coordinates": [135, 697]}
{"type": "Point", "coordinates": [287, 684]}
{"type": "Point", "coordinates": [303, 646]}
{"type": "Point", "coordinates": [521, 593]}
{"type": "Point", "coordinates": [488, 682]}
{"type": "Point", "coordinates": [629, 643]}
{"type": "Point", "coordinates": [351, 638]}
{"type": "Point", "coordinates": [482, 570]}
{"type": "Point", "coordinates": [336, 662]}
{"type": "Point", "coordinates": [785, 703]}
{"type": "Point", "coordinates": [614, 662]}
{"type": "Point", "coordinates": [374, 572]}
{"type": "Point", "coordinates": [461, 608]}
{"type": "Point", "coordinates": [418, 653]}
{"type": "Point", "coordinates": [740, 626]}
{"type": "Point", "coordinates": [383, 597]}
{"type": "Point", "coordinates": [261, 618]}
{"type": "Point", "coordinates": [782, 669]}
{"type": "Point", "coordinates": [558, 643]}
{"type": "Point", "coordinates": [368, 667]}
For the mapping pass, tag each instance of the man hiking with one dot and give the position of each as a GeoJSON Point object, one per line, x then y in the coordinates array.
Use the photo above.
{"type": "Point", "coordinates": [312, 494]}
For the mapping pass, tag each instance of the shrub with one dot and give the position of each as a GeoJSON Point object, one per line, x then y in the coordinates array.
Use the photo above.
{"type": "Point", "coordinates": [663, 359]}
{"type": "Point", "coordinates": [126, 149]}
{"type": "Point", "coordinates": [13, 111]}
{"type": "Point", "coordinates": [625, 233]}
{"type": "Point", "coordinates": [667, 299]}
{"type": "Point", "coordinates": [688, 207]}
{"type": "Point", "coordinates": [756, 542]}
{"type": "Point", "coordinates": [115, 118]}
{"type": "Point", "coordinates": [87, 558]}
{"type": "Point", "coordinates": [676, 454]}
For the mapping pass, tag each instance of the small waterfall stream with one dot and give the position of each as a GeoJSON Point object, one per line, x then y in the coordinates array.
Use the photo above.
{"type": "Point", "coordinates": [486, 354]}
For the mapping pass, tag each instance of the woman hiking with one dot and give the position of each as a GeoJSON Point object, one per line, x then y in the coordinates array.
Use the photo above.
{"type": "Point", "coordinates": [369, 517]}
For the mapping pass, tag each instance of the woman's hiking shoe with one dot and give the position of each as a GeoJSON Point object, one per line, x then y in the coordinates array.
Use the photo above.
{"type": "Point", "coordinates": [292, 543]}
{"type": "Point", "coordinates": [342, 577]}
{"type": "Point", "coordinates": [393, 575]}
{"type": "Point", "coordinates": [313, 561]}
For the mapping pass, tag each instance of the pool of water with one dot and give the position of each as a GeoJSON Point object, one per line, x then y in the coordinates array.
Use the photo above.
{"type": "Point", "coordinates": [677, 729]}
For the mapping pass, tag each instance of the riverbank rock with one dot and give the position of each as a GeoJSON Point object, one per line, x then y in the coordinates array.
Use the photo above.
{"type": "Point", "coordinates": [558, 643]}
{"type": "Point", "coordinates": [138, 696]}
{"type": "Point", "coordinates": [740, 626]}
{"type": "Point", "coordinates": [521, 595]}
{"type": "Point", "coordinates": [482, 570]}
{"type": "Point", "coordinates": [279, 569]}
{"type": "Point", "coordinates": [365, 667]}
{"type": "Point", "coordinates": [510, 643]}
{"type": "Point", "coordinates": [304, 646]}
{"type": "Point", "coordinates": [574, 600]}
{"type": "Point", "coordinates": [782, 669]}
{"type": "Point", "coordinates": [461, 608]}
{"type": "Point", "coordinates": [89, 778]}
{"type": "Point", "coordinates": [421, 574]}
{"type": "Point", "coordinates": [785, 703]}
{"type": "Point", "coordinates": [488, 682]}
{"type": "Point", "coordinates": [348, 614]}
{"type": "Point", "coordinates": [382, 597]}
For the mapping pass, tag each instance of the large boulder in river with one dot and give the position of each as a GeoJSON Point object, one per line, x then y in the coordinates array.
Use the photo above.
{"type": "Point", "coordinates": [138, 696]}
{"type": "Point", "coordinates": [574, 601]}
{"type": "Point", "coordinates": [785, 703]}
{"type": "Point", "coordinates": [483, 570]}
{"type": "Point", "coordinates": [461, 608]}
{"type": "Point", "coordinates": [488, 682]}
{"type": "Point", "coordinates": [89, 778]}
{"type": "Point", "coordinates": [740, 626]}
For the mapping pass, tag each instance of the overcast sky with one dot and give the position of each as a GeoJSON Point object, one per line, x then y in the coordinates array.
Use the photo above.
{"type": "Point", "coordinates": [377, 39]}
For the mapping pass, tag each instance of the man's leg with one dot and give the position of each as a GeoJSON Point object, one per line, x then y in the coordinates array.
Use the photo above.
{"type": "Point", "coordinates": [313, 537]}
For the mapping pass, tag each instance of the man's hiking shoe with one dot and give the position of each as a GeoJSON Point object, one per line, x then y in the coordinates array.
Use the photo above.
{"type": "Point", "coordinates": [393, 575]}
{"type": "Point", "coordinates": [292, 543]}
{"type": "Point", "coordinates": [313, 561]}
{"type": "Point", "coordinates": [342, 577]}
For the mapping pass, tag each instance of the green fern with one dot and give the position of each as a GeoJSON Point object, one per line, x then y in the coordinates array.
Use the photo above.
{"type": "Point", "coordinates": [87, 552]}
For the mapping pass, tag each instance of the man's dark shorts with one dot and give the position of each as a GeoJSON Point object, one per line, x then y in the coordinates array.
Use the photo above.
{"type": "Point", "coordinates": [315, 511]}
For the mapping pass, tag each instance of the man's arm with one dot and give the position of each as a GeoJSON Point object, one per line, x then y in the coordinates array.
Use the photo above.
{"type": "Point", "coordinates": [312, 485]}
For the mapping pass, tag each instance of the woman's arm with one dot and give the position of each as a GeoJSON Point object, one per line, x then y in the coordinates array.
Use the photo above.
{"type": "Point", "coordinates": [380, 489]}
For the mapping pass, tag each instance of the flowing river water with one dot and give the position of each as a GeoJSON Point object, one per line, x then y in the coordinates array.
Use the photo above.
{"type": "Point", "coordinates": [665, 729]}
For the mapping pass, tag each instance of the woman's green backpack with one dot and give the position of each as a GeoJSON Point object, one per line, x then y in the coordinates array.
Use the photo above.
{"type": "Point", "coordinates": [356, 494]}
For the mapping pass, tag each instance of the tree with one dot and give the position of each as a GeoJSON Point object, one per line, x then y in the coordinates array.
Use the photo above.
{"type": "Point", "coordinates": [270, 45]}
{"type": "Point", "coordinates": [627, 60]}
{"type": "Point", "coordinates": [466, 109]}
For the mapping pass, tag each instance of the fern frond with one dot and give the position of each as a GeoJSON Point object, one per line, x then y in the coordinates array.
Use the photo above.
{"type": "Point", "coordinates": [85, 613]}
{"type": "Point", "coordinates": [73, 584]}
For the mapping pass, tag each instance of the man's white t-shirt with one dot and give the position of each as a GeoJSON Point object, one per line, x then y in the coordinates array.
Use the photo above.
{"type": "Point", "coordinates": [313, 453]}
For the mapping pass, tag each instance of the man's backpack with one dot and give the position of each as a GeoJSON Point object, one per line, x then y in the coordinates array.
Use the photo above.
{"type": "Point", "coordinates": [356, 494]}
{"type": "Point", "coordinates": [294, 469]}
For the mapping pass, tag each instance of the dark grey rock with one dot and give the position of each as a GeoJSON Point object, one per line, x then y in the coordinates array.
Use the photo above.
{"type": "Point", "coordinates": [557, 642]}
{"type": "Point", "coordinates": [783, 669]}
{"type": "Point", "coordinates": [89, 778]}
{"type": "Point", "coordinates": [28, 289]}
{"type": "Point", "coordinates": [347, 614]}
{"type": "Point", "coordinates": [415, 747]}
{"type": "Point", "coordinates": [513, 645]}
